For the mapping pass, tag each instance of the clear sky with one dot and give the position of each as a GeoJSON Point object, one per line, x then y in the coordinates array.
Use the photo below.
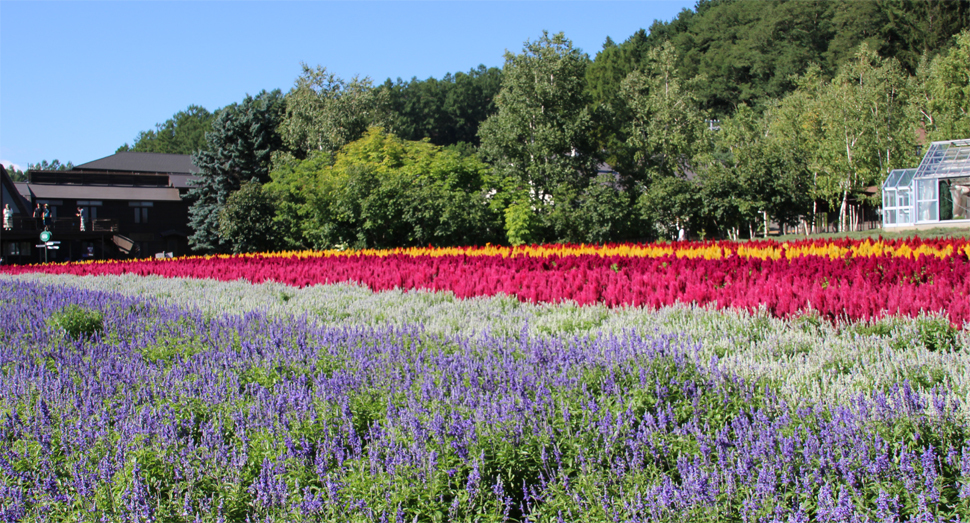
{"type": "Point", "coordinates": [79, 79]}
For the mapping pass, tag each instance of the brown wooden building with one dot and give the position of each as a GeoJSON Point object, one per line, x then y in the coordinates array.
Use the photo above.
{"type": "Point", "coordinates": [132, 205]}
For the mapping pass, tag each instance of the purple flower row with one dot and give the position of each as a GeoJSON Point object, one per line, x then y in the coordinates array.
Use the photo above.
{"type": "Point", "coordinates": [174, 414]}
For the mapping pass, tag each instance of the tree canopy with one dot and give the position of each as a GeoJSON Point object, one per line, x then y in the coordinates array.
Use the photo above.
{"type": "Point", "coordinates": [183, 133]}
{"type": "Point", "coordinates": [539, 142]}
{"type": "Point", "coordinates": [325, 113]}
{"type": "Point", "coordinates": [382, 191]}
{"type": "Point", "coordinates": [446, 111]}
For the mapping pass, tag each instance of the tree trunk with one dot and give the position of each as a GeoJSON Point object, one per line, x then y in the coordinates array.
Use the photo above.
{"type": "Point", "coordinates": [842, 209]}
{"type": "Point", "coordinates": [814, 217]}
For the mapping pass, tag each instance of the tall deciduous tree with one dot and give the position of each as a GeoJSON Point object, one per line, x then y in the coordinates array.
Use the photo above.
{"type": "Point", "coordinates": [239, 149]}
{"type": "Point", "coordinates": [324, 112]}
{"type": "Point", "coordinates": [246, 220]}
{"type": "Point", "coordinates": [539, 141]}
{"type": "Point", "coordinates": [766, 182]}
{"type": "Point", "coordinates": [665, 122]}
{"type": "Point", "coordinates": [604, 78]}
{"type": "Point", "coordinates": [797, 138]}
{"type": "Point", "coordinates": [868, 128]}
{"type": "Point", "coordinates": [944, 87]}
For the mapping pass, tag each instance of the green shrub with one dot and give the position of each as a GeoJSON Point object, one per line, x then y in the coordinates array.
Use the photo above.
{"type": "Point", "coordinates": [78, 322]}
{"type": "Point", "coordinates": [936, 334]}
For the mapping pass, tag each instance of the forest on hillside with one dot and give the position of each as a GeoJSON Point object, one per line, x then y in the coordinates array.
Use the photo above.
{"type": "Point", "coordinates": [730, 116]}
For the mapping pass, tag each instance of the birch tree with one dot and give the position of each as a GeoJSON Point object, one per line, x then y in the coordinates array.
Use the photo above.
{"type": "Point", "coordinates": [539, 141]}
{"type": "Point", "coordinates": [867, 127]}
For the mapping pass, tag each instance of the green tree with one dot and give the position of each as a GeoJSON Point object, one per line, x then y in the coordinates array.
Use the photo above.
{"type": "Point", "coordinates": [298, 188]}
{"type": "Point", "coordinates": [944, 92]}
{"type": "Point", "coordinates": [665, 123]}
{"type": "Point", "coordinates": [670, 204]}
{"type": "Point", "coordinates": [446, 111]}
{"type": "Point", "coordinates": [239, 149]}
{"type": "Point", "coordinates": [612, 116]}
{"type": "Point", "coordinates": [184, 133]}
{"type": "Point", "coordinates": [539, 142]}
{"type": "Point", "coordinates": [382, 191]}
{"type": "Point", "coordinates": [750, 51]}
{"type": "Point", "coordinates": [868, 127]}
{"type": "Point", "coordinates": [796, 137]}
{"type": "Point", "coordinates": [904, 30]}
{"type": "Point", "coordinates": [719, 191]}
{"type": "Point", "coordinates": [324, 112]}
{"type": "Point", "coordinates": [607, 211]}
{"type": "Point", "coordinates": [768, 181]}
{"type": "Point", "coordinates": [246, 220]}
{"type": "Point", "coordinates": [55, 165]}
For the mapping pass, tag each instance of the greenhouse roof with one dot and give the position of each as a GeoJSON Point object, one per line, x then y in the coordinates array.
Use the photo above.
{"type": "Point", "coordinates": [945, 159]}
{"type": "Point", "coordinates": [899, 177]}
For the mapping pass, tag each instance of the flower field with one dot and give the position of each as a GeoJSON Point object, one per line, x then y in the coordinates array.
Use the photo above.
{"type": "Point", "coordinates": [845, 279]}
{"type": "Point", "coordinates": [197, 390]}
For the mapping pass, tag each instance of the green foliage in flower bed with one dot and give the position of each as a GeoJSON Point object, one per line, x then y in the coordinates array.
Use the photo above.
{"type": "Point", "coordinates": [78, 322]}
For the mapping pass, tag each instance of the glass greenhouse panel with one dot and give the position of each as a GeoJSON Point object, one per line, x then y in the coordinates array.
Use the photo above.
{"type": "Point", "coordinates": [897, 197]}
{"type": "Point", "coordinates": [927, 201]}
{"type": "Point", "coordinates": [889, 216]}
{"type": "Point", "coordinates": [904, 206]}
{"type": "Point", "coordinates": [945, 159]}
{"type": "Point", "coordinates": [892, 178]}
{"type": "Point", "coordinates": [906, 177]}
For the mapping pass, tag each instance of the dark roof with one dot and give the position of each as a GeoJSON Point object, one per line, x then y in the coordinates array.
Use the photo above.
{"type": "Point", "coordinates": [24, 189]}
{"type": "Point", "coordinates": [142, 162]}
{"type": "Point", "coordinates": [8, 188]}
{"type": "Point", "coordinates": [95, 192]}
{"type": "Point", "coordinates": [182, 181]}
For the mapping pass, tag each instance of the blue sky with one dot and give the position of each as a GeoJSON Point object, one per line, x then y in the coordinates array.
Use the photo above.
{"type": "Point", "coordinates": [79, 79]}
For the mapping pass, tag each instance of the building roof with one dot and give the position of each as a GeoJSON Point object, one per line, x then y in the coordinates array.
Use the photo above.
{"type": "Point", "coordinates": [899, 178]}
{"type": "Point", "coordinates": [182, 181]}
{"type": "Point", "coordinates": [946, 159]}
{"type": "Point", "coordinates": [24, 189]}
{"type": "Point", "coordinates": [8, 190]}
{"type": "Point", "coordinates": [142, 162]}
{"type": "Point", "coordinates": [93, 192]}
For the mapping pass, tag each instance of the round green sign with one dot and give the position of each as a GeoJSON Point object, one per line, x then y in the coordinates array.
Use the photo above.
{"type": "Point", "coordinates": [45, 236]}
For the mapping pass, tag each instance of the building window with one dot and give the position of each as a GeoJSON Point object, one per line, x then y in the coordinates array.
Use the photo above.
{"type": "Point", "coordinates": [141, 211]}
{"type": "Point", "coordinates": [53, 205]}
{"type": "Point", "coordinates": [17, 249]}
{"type": "Point", "coordinates": [90, 210]}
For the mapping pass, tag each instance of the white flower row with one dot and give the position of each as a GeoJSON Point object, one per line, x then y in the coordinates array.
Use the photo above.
{"type": "Point", "coordinates": [803, 358]}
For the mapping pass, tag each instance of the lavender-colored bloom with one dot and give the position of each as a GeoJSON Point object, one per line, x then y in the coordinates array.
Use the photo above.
{"type": "Point", "coordinates": [637, 424]}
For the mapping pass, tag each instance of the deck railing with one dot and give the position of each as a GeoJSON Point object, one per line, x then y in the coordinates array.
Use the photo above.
{"type": "Point", "coordinates": [29, 224]}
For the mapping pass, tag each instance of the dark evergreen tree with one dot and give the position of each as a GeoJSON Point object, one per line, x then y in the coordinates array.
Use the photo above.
{"type": "Point", "coordinates": [238, 150]}
{"type": "Point", "coordinates": [446, 111]}
{"type": "Point", "coordinates": [55, 165]}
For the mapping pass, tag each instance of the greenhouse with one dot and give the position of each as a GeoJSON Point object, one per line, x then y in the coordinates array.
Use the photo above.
{"type": "Point", "coordinates": [936, 191]}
